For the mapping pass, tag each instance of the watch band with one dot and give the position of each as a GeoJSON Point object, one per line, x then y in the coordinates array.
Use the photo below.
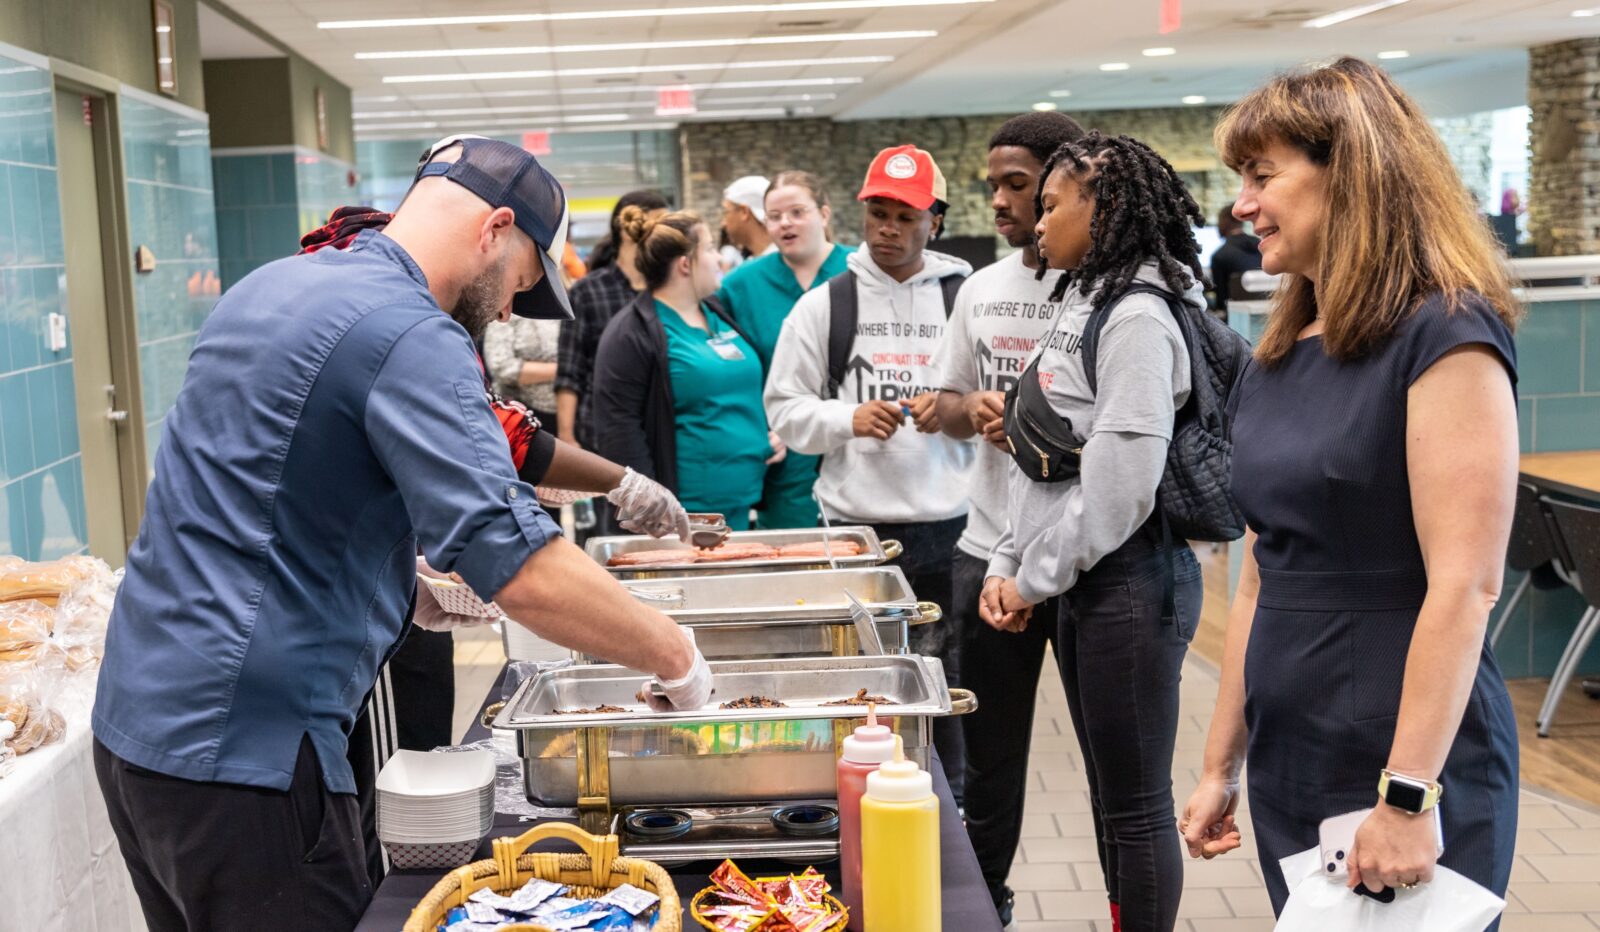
{"type": "Point", "coordinates": [1408, 794]}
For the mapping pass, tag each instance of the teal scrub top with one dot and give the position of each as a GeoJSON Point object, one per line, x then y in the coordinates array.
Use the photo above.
{"type": "Point", "coordinates": [759, 295]}
{"type": "Point", "coordinates": [721, 426]}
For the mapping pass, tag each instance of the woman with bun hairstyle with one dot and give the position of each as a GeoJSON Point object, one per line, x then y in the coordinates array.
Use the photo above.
{"type": "Point", "coordinates": [677, 384]}
{"type": "Point", "coordinates": [1375, 461]}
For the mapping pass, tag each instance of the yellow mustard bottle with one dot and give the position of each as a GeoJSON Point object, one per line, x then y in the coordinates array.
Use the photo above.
{"type": "Point", "coordinates": [900, 849]}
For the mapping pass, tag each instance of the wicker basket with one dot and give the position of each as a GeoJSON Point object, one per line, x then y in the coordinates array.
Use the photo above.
{"type": "Point", "coordinates": [591, 874]}
{"type": "Point", "coordinates": [698, 903]}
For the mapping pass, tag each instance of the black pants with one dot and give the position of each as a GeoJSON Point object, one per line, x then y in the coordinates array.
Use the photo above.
{"type": "Point", "coordinates": [1121, 664]}
{"type": "Point", "coordinates": [219, 857]}
{"type": "Point", "coordinates": [1002, 668]}
{"type": "Point", "coordinates": [928, 568]}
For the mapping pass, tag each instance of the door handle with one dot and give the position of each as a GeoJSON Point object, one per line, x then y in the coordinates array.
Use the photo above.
{"type": "Point", "coordinates": [116, 417]}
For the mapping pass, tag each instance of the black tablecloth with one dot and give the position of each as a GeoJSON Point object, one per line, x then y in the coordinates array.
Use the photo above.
{"type": "Point", "coordinates": [967, 907]}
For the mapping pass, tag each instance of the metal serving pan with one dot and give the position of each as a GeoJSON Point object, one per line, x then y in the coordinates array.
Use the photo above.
{"type": "Point", "coordinates": [714, 755]}
{"type": "Point", "coordinates": [754, 616]}
{"type": "Point", "coordinates": [873, 552]}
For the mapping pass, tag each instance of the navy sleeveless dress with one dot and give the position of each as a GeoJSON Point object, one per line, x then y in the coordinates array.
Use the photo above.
{"type": "Point", "coordinates": [1319, 470]}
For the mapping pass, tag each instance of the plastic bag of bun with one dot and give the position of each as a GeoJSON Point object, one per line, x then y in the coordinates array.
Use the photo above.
{"type": "Point", "coordinates": [46, 582]}
{"type": "Point", "coordinates": [27, 703]}
{"type": "Point", "coordinates": [82, 616]}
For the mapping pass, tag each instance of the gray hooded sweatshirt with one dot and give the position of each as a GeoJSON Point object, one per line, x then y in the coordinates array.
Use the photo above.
{"type": "Point", "coordinates": [1057, 531]}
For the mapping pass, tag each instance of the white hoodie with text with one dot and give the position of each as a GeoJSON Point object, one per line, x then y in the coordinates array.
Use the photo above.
{"type": "Point", "coordinates": [911, 477]}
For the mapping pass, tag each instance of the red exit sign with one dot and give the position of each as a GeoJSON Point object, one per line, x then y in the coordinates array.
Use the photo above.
{"type": "Point", "coordinates": [675, 101]}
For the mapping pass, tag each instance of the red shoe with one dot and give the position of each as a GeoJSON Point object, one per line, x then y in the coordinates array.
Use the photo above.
{"type": "Point", "coordinates": [1116, 917]}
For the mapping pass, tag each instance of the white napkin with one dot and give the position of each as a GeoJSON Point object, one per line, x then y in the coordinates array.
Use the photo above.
{"type": "Point", "coordinates": [1451, 903]}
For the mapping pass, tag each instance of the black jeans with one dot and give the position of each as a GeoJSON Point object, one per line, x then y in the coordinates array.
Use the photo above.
{"type": "Point", "coordinates": [928, 568]}
{"type": "Point", "coordinates": [1121, 664]}
{"type": "Point", "coordinates": [1002, 668]}
{"type": "Point", "coordinates": [219, 857]}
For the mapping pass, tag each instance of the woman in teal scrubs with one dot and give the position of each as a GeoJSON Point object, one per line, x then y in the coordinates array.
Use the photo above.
{"type": "Point", "coordinates": [677, 384]}
{"type": "Point", "coordinates": [758, 296]}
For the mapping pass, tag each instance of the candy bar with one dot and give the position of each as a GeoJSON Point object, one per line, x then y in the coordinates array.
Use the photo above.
{"type": "Point", "coordinates": [735, 884]}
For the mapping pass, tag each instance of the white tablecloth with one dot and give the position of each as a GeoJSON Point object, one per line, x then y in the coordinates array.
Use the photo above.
{"type": "Point", "coordinates": [59, 864]}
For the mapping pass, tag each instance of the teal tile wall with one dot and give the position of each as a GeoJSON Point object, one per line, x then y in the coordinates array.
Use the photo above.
{"type": "Point", "coordinates": [1558, 367]}
{"type": "Point", "coordinates": [257, 204]}
{"type": "Point", "coordinates": [267, 200]}
{"type": "Point", "coordinates": [171, 209]}
{"type": "Point", "coordinates": [41, 475]}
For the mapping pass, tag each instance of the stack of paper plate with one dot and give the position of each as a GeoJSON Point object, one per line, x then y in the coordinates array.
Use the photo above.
{"type": "Point", "coordinates": [435, 806]}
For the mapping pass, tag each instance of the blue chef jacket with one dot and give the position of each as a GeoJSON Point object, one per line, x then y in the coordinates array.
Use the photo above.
{"type": "Point", "coordinates": [330, 417]}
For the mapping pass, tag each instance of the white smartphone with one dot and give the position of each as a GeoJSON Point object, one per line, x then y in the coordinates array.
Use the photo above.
{"type": "Point", "coordinates": [1337, 835]}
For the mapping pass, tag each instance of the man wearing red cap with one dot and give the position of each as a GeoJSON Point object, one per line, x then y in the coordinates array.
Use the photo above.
{"type": "Point", "coordinates": [853, 378]}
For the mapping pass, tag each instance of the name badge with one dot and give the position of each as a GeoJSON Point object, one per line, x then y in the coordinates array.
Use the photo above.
{"type": "Point", "coordinates": [724, 346]}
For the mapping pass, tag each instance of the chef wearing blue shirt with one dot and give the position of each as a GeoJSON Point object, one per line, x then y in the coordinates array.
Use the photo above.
{"type": "Point", "coordinates": [331, 420]}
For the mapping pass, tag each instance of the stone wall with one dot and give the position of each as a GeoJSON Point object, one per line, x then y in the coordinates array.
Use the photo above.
{"type": "Point", "coordinates": [838, 151]}
{"type": "Point", "coordinates": [1564, 147]}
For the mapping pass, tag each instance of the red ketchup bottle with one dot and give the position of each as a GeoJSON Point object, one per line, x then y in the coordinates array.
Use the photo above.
{"type": "Point", "coordinates": [869, 746]}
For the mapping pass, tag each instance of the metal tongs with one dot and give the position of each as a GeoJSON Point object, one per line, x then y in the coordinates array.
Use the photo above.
{"type": "Point", "coordinates": [866, 627]}
{"type": "Point", "coordinates": [707, 530]}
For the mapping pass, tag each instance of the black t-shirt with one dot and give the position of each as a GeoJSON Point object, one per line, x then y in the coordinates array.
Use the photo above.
{"type": "Point", "coordinates": [1238, 253]}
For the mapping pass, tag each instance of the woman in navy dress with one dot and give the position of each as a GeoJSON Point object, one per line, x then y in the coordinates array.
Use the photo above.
{"type": "Point", "coordinates": [1375, 459]}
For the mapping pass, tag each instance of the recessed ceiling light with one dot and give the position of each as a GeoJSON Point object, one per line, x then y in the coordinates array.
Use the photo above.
{"type": "Point", "coordinates": [1394, 53]}
{"type": "Point", "coordinates": [1349, 13]}
{"type": "Point", "coordinates": [1583, 13]}
{"type": "Point", "coordinates": [1193, 99]}
{"type": "Point", "coordinates": [1159, 52]}
{"type": "Point", "coordinates": [719, 10]}
{"type": "Point", "coordinates": [1044, 106]}
{"type": "Point", "coordinates": [1115, 66]}
{"type": "Point", "coordinates": [642, 104]}
{"type": "Point", "coordinates": [1061, 93]}
{"type": "Point", "coordinates": [633, 69]}
{"type": "Point", "coordinates": [648, 46]}
{"type": "Point", "coordinates": [619, 89]}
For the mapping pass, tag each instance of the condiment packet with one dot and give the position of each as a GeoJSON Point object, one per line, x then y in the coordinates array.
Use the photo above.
{"type": "Point", "coordinates": [483, 912]}
{"type": "Point", "coordinates": [580, 916]}
{"type": "Point", "coordinates": [632, 899]}
{"type": "Point", "coordinates": [532, 895]}
{"type": "Point", "coordinates": [491, 898]}
{"type": "Point", "coordinates": [555, 904]}
{"type": "Point", "coordinates": [616, 919]}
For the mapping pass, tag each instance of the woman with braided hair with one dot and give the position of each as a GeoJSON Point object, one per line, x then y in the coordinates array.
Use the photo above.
{"type": "Point", "coordinates": [1115, 219]}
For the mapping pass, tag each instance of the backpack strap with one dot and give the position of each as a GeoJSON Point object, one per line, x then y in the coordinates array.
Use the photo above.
{"type": "Point", "coordinates": [1097, 323]}
{"type": "Point", "coordinates": [843, 309]}
{"type": "Point", "coordinates": [950, 284]}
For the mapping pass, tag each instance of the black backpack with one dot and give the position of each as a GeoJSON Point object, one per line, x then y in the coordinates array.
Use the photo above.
{"type": "Point", "coordinates": [843, 309]}
{"type": "Point", "coordinates": [1193, 500]}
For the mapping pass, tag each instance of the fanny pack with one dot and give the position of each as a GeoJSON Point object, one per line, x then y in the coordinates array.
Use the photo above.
{"type": "Point", "coordinates": [1041, 441]}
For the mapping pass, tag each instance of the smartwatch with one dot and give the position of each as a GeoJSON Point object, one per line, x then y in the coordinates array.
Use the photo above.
{"type": "Point", "coordinates": [1408, 794]}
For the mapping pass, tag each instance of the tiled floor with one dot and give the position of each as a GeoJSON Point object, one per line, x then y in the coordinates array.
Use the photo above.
{"type": "Point", "coordinates": [1555, 886]}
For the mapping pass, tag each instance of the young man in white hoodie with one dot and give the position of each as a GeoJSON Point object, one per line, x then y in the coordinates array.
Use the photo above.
{"type": "Point", "coordinates": [876, 424]}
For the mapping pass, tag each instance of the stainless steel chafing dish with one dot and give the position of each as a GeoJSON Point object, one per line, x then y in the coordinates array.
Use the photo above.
{"type": "Point", "coordinates": [753, 616]}
{"type": "Point", "coordinates": [873, 552]}
{"type": "Point", "coordinates": [715, 755]}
